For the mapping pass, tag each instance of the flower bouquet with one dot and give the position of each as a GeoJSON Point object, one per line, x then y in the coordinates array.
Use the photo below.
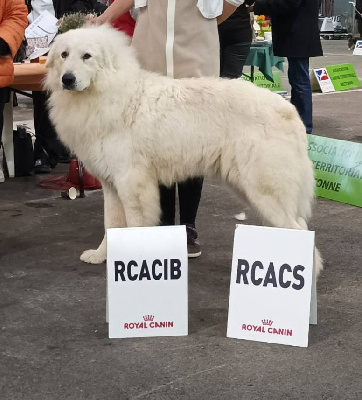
{"type": "Point", "coordinates": [73, 21]}
{"type": "Point", "coordinates": [264, 23]}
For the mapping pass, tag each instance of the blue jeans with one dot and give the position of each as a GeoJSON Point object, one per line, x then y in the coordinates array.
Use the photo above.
{"type": "Point", "coordinates": [298, 75]}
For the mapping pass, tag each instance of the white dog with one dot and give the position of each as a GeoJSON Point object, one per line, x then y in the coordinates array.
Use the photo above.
{"type": "Point", "coordinates": [134, 129]}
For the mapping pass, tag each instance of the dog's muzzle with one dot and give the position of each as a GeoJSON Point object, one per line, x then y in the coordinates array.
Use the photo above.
{"type": "Point", "coordinates": [68, 81]}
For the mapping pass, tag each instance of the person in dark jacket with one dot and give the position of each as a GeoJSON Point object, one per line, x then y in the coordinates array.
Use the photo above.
{"type": "Point", "coordinates": [48, 150]}
{"type": "Point", "coordinates": [295, 36]}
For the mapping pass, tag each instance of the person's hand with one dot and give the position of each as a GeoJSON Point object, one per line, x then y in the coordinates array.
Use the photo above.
{"type": "Point", "coordinates": [91, 20]}
{"type": "Point", "coordinates": [250, 8]}
{"type": "Point", "coordinates": [4, 48]}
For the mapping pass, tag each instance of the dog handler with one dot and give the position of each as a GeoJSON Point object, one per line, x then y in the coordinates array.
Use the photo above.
{"type": "Point", "coordinates": [177, 38]}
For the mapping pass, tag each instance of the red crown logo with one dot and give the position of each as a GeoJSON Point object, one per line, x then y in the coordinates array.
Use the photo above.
{"type": "Point", "coordinates": [268, 322]}
{"type": "Point", "coordinates": [148, 318]}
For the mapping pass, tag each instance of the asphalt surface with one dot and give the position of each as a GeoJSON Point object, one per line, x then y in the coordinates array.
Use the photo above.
{"type": "Point", "coordinates": [53, 334]}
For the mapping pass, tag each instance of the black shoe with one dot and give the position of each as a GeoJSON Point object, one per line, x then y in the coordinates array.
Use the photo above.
{"type": "Point", "coordinates": [65, 156]}
{"type": "Point", "coordinates": [193, 246]}
{"type": "Point", "coordinates": [65, 159]}
{"type": "Point", "coordinates": [52, 163]}
{"type": "Point", "coordinates": [41, 167]}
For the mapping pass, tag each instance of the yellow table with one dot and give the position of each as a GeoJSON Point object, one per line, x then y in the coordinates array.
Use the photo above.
{"type": "Point", "coordinates": [28, 77]}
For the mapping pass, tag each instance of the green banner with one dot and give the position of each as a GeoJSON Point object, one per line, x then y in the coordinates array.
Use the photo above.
{"type": "Point", "coordinates": [338, 169]}
{"type": "Point", "coordinates": [343, 77]}
{"type": "Point", "coordinates": [261, 81]}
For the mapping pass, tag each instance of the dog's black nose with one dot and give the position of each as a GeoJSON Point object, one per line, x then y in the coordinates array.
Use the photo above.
{"type": "Point", "coordinates": [68, 80]}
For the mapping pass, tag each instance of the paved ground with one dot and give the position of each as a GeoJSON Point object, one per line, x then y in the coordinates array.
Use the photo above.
{"type": "Point", "coordinates": [53, 340]}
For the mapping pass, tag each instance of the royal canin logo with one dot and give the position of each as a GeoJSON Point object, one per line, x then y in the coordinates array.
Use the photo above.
{"type": "Point", "coordinates": [266, 327]}
{"type": "Point", "coordinates": [148, 323]}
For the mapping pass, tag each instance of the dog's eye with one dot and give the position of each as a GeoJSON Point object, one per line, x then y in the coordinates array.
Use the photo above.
{"type": "Point", "coordinates": [65, 54]}
{"type": "Point", "coordinates": [86, 56]}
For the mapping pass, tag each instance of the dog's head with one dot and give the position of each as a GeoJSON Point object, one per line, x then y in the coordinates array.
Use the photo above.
{"type": "Point", "coordinates": [78, 57]}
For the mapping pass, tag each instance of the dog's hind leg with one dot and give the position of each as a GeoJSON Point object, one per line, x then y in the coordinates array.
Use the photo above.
{"type": "Point", "coordinates": [279, 210]}
{"type": "Point", "coordinates": [114, 217]}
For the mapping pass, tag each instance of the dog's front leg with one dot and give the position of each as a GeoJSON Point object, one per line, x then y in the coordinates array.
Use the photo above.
{"type": "Point", "coordinates": [139, 194]}
{"type": "Point", "coordinates": [114, 217]}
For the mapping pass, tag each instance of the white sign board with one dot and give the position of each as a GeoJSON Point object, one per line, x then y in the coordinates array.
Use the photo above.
{"type": "Point", "coordinates": [147, 282]}
{"type": "Point", "coordinates": [358, 48]}
{"type": "Point", "coordinates": [324, 81]}
{"type": "Point", "coordinates": [271, 285]}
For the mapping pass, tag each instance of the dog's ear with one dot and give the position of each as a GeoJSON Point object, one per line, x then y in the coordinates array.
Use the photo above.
{"type": "Point", "coordinates": [110, 56]}
{"type": "Point", "coordinates": [118, 43]}
{"type": "Point", "coordinates": [52, 55]}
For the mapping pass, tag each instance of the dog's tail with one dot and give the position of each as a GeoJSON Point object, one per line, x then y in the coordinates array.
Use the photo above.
{"type": "Point", "coordinates": [318, 262]}
{"type": "Point", "coordinates": [305, 204]}
{"type": "Point", "coordinates": [306, 190]}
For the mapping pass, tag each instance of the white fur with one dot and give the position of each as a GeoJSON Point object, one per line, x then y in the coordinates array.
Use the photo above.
{"type": "Point", "coordinates": [134, 129]}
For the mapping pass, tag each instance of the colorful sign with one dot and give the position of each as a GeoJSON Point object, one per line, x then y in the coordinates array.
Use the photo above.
{"type": "Point", "coordinates": [338, 169]}
{"type": "Point", "coordinates": [271, 285]}
{"type": "Point", "coordinates": [335, 78]}
{"type": "Point", "coordinates": [343, 77]}
{"type": "Point", "coordinates": [358, 48]}
{"type": "Point", "coordinates": [261, 81]}
{"type": "Point", "coordinates": [147, 282]}
{"type": "Point", "coordinates": [323, 79]}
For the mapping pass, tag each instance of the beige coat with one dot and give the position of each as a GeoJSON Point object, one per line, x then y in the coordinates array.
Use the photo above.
{"type": "Point", "coordinates": [173, 38]}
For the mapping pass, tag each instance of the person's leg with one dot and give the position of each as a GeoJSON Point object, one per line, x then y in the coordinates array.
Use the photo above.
{"type": "Point", "coordinates": [4, 94]}
{"type": "Point", "coordinates": [47, 146]}
{"type": "Point", "coordinates": [3, 100]}
{"type": "Point", "coordinates": [168, 204]}
{"type": "Point", "coordinates": [235, 38]}
{"type": "Point", "coordinates": [189, 193]}
{"type": "Point", "coordinates": [233, 59]}
{"type": "Point", "coordinates": [298, 75]}
{"type": "Point", "coordinates": [359, 26]}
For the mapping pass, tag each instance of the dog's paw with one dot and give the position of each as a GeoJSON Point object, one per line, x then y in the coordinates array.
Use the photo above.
{"type": "Point", "coordinates": [93, 257]}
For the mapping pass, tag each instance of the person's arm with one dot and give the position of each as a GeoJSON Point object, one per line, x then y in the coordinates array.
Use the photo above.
{"type": "Point", "coordinates": [115, 10]}
{"type": "Point", "coordinates": [12, 27]}
{"type": "Point", "coordinates": [228, 9]}
{"type": "Point", "coordinates": [275, 7]}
